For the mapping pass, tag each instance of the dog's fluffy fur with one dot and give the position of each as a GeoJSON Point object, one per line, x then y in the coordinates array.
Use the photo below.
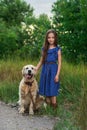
{"type": "Point", "coordinates": [28, 89]}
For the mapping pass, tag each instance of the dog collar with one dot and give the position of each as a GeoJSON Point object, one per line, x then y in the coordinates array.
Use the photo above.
{"type": "Point", "coordinates": [29, 83]}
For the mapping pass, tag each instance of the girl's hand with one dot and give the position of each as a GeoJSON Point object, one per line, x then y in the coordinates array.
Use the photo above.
{"type": "Point", "coordinates": [56, 79]}
{"type": "Point", "coordinates": [36, 70]}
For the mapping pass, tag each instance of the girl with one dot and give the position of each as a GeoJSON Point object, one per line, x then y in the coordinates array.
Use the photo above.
{"type": "Point", "coordinates": [49, 78]}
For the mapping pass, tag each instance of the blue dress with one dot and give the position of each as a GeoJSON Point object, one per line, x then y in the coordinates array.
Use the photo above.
{"type": "Point", "coordinates": [48, 86]}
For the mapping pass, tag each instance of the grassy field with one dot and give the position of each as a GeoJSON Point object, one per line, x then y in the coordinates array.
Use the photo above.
{"type": "Point", "coordinates": [72, 99]}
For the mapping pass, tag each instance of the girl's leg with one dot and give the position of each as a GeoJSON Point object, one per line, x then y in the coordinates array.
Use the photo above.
{"type": "Point", "coordinates": [53, 102]}
{"type": "Point", "coordinates": [53, 99]}
{"type": "Point", "coordinates": [48, 100]}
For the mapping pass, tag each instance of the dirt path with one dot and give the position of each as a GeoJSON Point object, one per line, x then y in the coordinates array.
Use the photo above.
{"type": "Point", "coordinates": [11, 120]}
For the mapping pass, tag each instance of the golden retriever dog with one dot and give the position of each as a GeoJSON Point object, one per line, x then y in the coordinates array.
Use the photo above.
{"type": "Point", "coordinates": [28, 90]}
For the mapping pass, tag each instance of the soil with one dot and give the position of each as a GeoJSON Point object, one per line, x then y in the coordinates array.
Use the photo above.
{"type": "Point", "coordinates": [10, 119]}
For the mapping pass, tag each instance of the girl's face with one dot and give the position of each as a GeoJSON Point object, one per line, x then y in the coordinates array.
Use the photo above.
{"type": "Point", "coordinates": [51, 38]}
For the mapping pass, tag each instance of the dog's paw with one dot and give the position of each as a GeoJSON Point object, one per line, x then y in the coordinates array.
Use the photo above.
{"type": "Point", "coordinates": [21, 110]}
{"type": "Point", "coordinates": [45, 105]}
{"type": "Point", "coordinates": [31, 112]}
{"type": "Point", "coordinates": [19, 102]}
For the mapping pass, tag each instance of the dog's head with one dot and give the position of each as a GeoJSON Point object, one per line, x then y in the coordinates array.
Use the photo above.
{"type": "Point", "coordinates": [28, 72]}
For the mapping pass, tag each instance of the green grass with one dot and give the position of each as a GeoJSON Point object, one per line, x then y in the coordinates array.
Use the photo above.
{"type": "Point", "coordinates": [9, 92]}
{"type": "Point", "coordinates": [71, 100]}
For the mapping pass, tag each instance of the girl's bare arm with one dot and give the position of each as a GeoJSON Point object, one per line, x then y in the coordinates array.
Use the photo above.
{"type": "Point", "coordinates": [56, 79]}
{"type": "Point", "coordinates": [39, 64]}
{"type": "Point", "coordinates": [59, 63]}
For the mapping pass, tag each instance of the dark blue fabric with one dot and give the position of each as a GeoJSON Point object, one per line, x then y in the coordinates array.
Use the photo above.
{"type": "Point", "coordinates": [48, 86]}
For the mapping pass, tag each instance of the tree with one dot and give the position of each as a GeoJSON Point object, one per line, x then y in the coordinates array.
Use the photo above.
{"type": "Point", "coordinates": [70, 19]}
{"type": "Point", "coordinates": [8, 40]}
{"type": "Point", "coordinates": [13, 12]}
{"type": "Point", "coordinates": [19, 39]}
{"type": "Point", "coordinates": [34, 35]}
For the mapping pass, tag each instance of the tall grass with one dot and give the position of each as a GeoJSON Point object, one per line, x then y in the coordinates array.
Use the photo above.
{"type": "Point", "coordinates": [82, 113]}
{"type": "Point", "coordinates": [74, 95]}
{"type": "Point", "coordinates": [72, 99]}
{"type": "Point", "coordinates": [9, 91]}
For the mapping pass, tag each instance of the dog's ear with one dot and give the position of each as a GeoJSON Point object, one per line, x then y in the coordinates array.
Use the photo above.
{"type": "Point", "coordinates": [23, 71]}
{"type": "Point", "coordinates": [34, 70]}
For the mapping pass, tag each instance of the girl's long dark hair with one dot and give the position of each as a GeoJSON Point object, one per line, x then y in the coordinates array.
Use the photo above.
{"type": "Point", "coordinates": [46, 44]}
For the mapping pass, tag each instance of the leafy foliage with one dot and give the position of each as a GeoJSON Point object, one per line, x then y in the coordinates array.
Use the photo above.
{"type": "Point", "coordinates": [70, 19]}
{"type": "Point", "coordinates": [8, 39]}
{"type": "Point", "coordinates": [34, 36]}
{"type": "Point", "coordinates": [14, 11]}
{"type": "Point", "coordinates": [18, 39]}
